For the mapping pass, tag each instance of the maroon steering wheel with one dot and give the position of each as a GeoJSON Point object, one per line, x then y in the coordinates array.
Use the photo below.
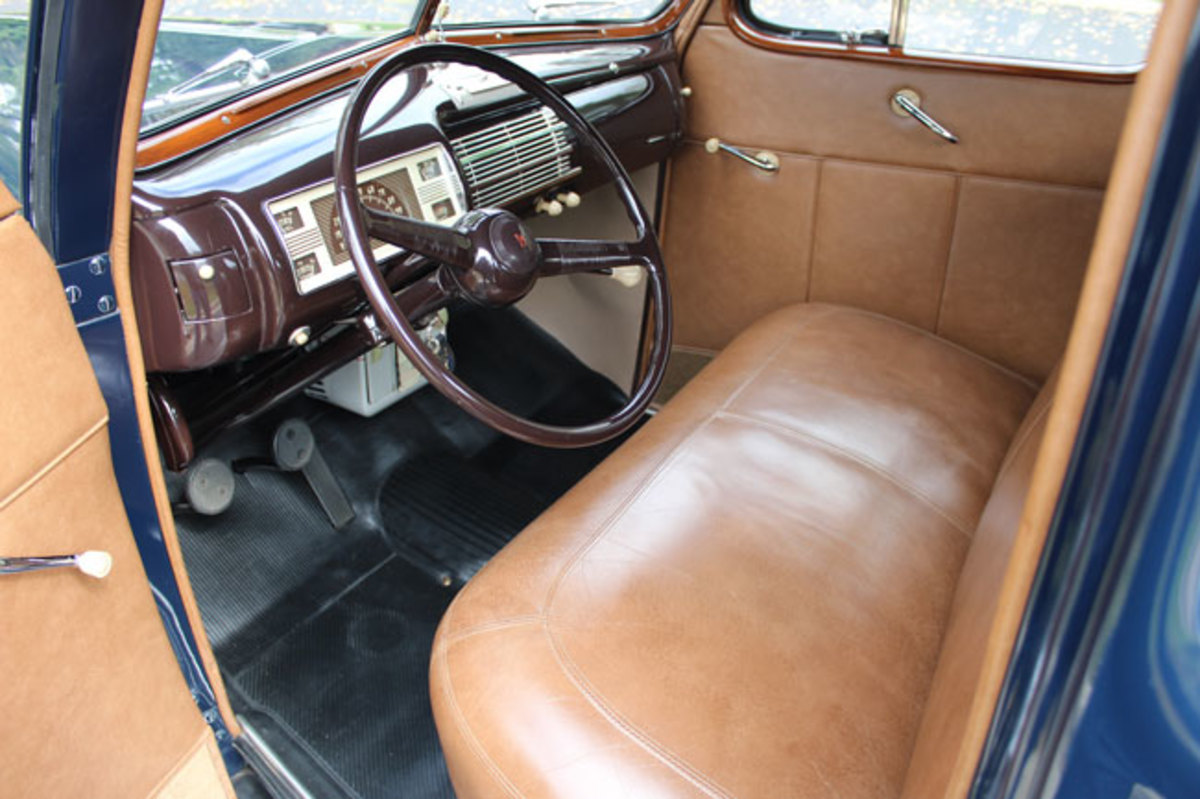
{"type": "Point", "coordinates": [488, 256]}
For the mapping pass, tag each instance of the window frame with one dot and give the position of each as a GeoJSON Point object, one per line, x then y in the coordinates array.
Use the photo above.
{"type": "Point", "coordinates": [761, 33]}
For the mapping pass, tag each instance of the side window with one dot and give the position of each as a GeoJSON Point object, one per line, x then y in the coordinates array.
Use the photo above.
{"type": "Point", "coordinates": [14, 40]}
{"type": "Point", "coordinates": [1086, 34]}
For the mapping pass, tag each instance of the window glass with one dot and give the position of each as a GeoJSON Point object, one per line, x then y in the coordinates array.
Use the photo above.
{"type": "Point", "coordinates": [14, 41]}
{"type": "Point", "coordinates": [208, 51]}
{"type": "Point", "coordinates": [1102, 33]}
{"type": "Point", "coordinates": [830, 16]}
{"type": "Point", "coordinates": [508, 12]}
{"type": "Point", "coordinates": [1090, 33]}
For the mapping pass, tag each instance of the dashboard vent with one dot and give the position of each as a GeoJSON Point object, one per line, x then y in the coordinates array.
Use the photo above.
{"type": "Point", "coordinates": [515, 159]}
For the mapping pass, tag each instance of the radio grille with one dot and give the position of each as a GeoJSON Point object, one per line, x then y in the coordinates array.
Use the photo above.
{"type": "Point", "coordinates": [516, 158]}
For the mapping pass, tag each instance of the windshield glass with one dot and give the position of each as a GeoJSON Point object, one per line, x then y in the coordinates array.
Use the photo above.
{"type": "Point", "coordinates": [210, 50]}
{"type": "Point", "coordinates": [509, 12]}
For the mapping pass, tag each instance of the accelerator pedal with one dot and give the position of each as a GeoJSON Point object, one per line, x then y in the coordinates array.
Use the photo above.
{"type": "Point", "coordinates": [294, 449]}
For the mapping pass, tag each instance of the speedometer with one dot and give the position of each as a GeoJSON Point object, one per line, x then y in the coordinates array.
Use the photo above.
{"type": "Point", "coordinates": [373, 195]}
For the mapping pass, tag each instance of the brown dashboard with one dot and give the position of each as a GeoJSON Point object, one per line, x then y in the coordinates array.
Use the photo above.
{"type": "Point", "coordinates": [236, 249]}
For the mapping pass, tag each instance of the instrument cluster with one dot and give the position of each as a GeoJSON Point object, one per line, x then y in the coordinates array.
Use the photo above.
{"type": "Point", "coordinates": [421, 184]}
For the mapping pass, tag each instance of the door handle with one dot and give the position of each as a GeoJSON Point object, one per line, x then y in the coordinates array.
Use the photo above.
{"type": "Point", "coordinates": [93, 563]}
{"type": "Point", "coordinates": [908, 102]}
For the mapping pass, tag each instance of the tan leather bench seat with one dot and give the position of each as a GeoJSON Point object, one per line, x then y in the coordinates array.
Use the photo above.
{"type": "Point", "coordinates": [750, 597]}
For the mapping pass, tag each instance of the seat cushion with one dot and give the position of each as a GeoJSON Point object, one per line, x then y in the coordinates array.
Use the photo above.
{"type": "Point", "coordinates": [748, 598]}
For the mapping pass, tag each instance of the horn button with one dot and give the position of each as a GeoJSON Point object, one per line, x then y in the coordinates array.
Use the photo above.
{"type": "Point", "coordinates": [506, 257]}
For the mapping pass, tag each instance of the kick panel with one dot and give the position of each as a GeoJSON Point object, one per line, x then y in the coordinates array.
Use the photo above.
{"type": "Point", "coordinates": [422, 184]}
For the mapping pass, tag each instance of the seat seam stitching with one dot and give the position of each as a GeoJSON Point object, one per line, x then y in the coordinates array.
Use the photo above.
{"type": "Point", "coordinates": [509, 623]}
{"type": "Point", "coordinates": [614, 717]}
{"type": "Point", "coordinates": [460, 721]}
{"type": "Point", "coordinates": [651, 479]}
{"type": "Point", "coordinates": [929, 334]}
{"type": "Point", "coordinates": [770, 359]}
{"type": "Point", "coordinates": [1016, 446]}
{"type": "Point", "coordinates": [53, 463]}
{"type": "Point", "coordinates": [959, 524]}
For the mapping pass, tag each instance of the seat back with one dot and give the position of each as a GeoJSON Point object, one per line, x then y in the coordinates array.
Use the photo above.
{"type": "Point", "coordinates": [947, 747]}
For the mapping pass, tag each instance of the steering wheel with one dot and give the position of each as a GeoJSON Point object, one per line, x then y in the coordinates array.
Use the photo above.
{"type": "Point", "coordinates": [489, 257]}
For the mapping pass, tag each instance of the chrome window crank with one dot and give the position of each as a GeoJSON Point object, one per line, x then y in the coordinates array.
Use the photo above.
{"type": "Point", "coordinates": [93, 563]}
{"type": "Point", "coordinates": [907, 102]}
{"type": "Point", "coordinates": [768, 162]}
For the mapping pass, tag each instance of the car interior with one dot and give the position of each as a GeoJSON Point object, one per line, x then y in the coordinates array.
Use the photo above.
{"type": "Point", "coordinates": [667, 406]}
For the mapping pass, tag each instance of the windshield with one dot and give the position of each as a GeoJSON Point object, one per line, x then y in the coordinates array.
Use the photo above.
{"type": "Point", "coordinates": [508, 12]}
{"type": "Point", "coordinates": [209, 51]}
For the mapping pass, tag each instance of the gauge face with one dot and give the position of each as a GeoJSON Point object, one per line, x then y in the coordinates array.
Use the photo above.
{"type": "Point", "coordinates": [289, 220]}
{"type": "Point", "coordinates": [374, 195]}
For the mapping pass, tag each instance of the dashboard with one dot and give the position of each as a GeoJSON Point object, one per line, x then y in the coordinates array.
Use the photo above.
{"type": "Point", "coordinates": [237, 249]}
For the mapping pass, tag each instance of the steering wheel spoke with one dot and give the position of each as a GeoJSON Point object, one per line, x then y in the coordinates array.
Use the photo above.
{"type": "Point", "coordinates": [443, 244]}
{"type": "Point", "coordinates": [572, 256]}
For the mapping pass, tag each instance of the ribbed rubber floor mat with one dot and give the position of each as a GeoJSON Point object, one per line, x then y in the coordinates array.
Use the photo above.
{"type": "Point", "coordinates": [343, 688]}
{"type": "Point", "coordinates": [271, 538]}
{"type": "Point", "coordinates": [448, 515]}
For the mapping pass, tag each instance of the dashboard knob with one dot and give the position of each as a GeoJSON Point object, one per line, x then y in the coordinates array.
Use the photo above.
{"type": "Point", "coordinates": [570, 199]}
{"type": "Point", "coordinates": [686, 91]}
{"type": "Point", "coordinates": [551, 207]}
{"type": "Point", "coordinates": [300, 336]}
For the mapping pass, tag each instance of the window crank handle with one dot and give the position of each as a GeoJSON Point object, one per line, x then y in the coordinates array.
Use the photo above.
{"type": "Point", "coordinates": [908, 102]}
{"type": "Point", "coordinates": [768, 162]}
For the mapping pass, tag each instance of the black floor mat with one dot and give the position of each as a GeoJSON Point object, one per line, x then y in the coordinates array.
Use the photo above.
{"type": "Point", "coordinates": [274, 538]}
{"type": "Point", "coordinates": [344, 687]}
{"type": "Point", "coordinates": [488, 512]}
{"type": "Point", "coordinates": [324, 636]}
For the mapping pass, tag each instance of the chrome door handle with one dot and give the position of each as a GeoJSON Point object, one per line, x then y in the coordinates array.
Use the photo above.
{"type": "Point", "coordinates": [906, 101]}
{"type": "Point", "coordinates": [93, 563]}
{"type": "Point", "coordinates": [768, 162]}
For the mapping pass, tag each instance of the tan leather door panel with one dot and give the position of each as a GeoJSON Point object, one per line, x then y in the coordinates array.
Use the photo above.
{"type": "Point", "coordinates": [94, 703]}
{"type": "Point", "coordinates": [984, 241]}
